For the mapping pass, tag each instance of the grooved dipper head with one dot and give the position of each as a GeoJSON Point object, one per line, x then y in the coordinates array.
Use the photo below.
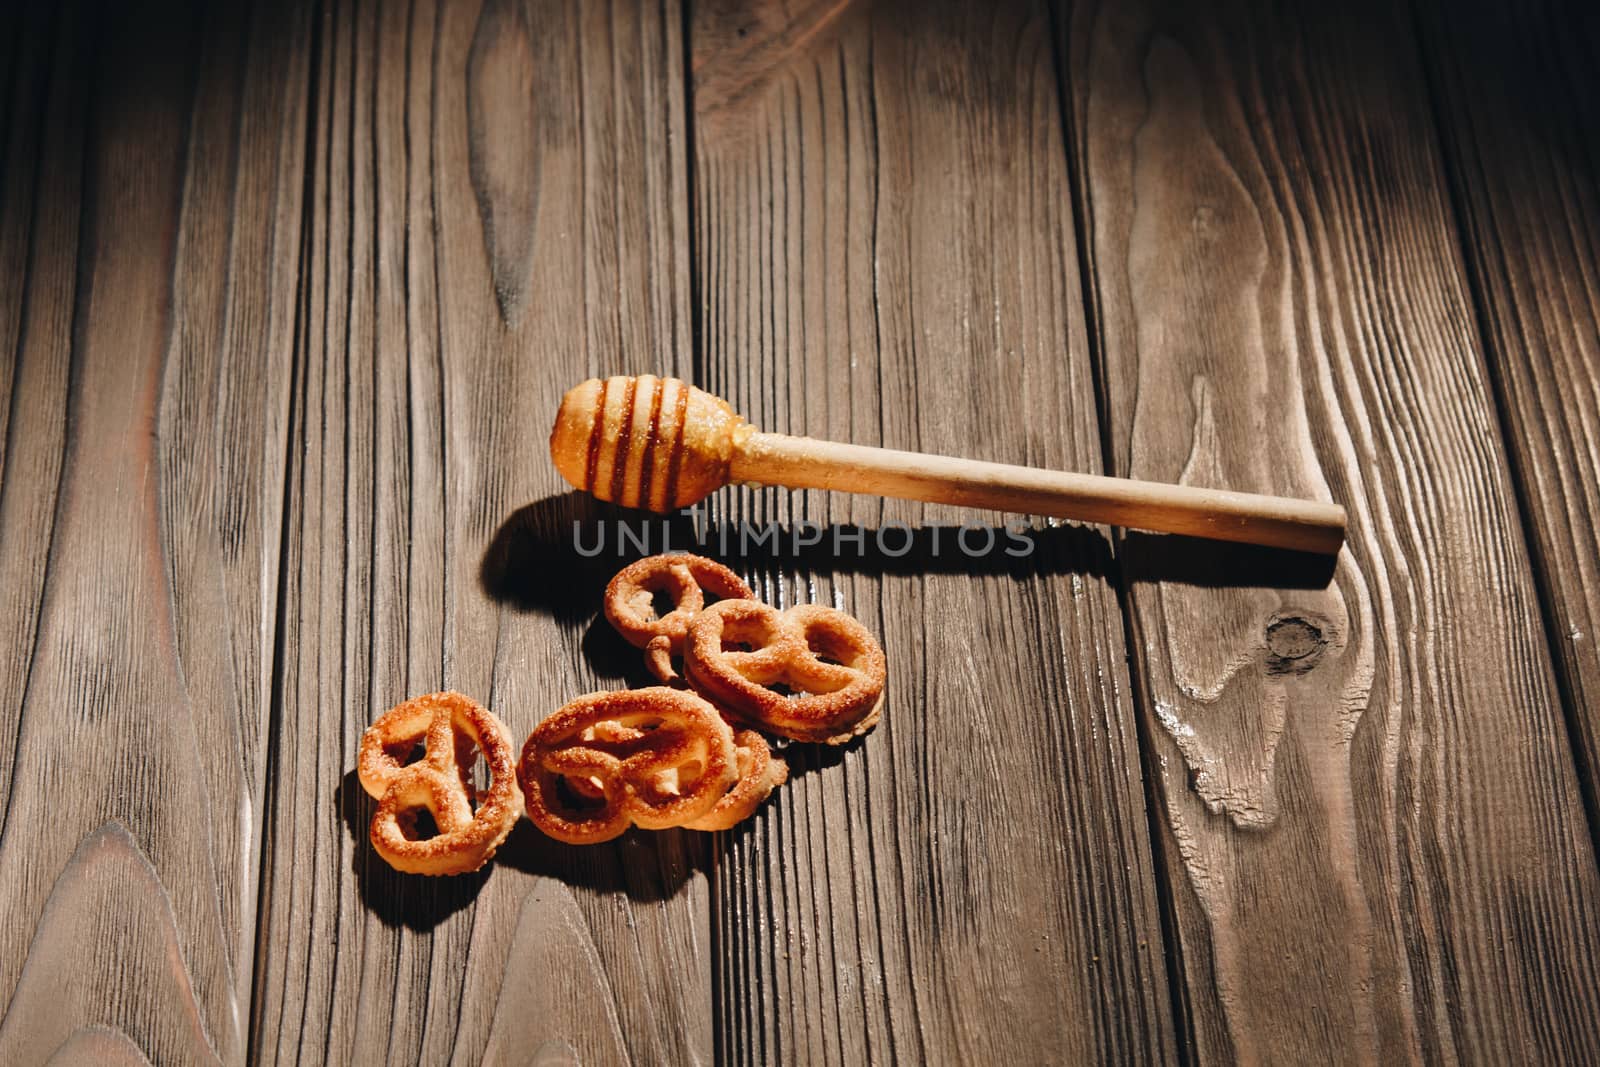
{"type": "Point", "coordinates": [644, 442]}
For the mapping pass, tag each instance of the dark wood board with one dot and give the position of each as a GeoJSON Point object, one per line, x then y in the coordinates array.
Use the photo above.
{"type": "Point", "coordinates": [1518, 105]}
{"type": "Point", "coordinates": [148, 277]}
{"type": "Point", "coordinates": [496, 211]}
{"type": "Point", "coordinates": [885, 254]}
{"type": "Point", "coordinates": [1372, 824]}
{"type": "Point", "coordinates": [288, 294]}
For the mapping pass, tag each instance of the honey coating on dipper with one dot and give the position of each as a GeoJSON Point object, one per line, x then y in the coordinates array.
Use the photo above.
{"type": "Point", "coordinates": [645, 442]}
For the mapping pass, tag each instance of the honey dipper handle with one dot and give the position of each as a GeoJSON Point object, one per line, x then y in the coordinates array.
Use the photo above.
{"type": "Point", "coordinates": [806, 463]}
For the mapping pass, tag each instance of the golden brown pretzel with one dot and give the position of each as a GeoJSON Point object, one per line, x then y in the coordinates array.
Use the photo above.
{"type": "Point", "coordinates": [760, 772]}
{"type": "Point", "coordinates": [630, 603]}
{"type": "Point", "coordinates": [452, 728]}
{"type": "Point", "coordinates": [834, 668]}
{"type": "Point", "coordinates": [654, 757]}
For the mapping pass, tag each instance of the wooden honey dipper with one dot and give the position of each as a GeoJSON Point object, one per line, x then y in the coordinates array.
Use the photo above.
{"type": "Point", "coordinates": [662, 444]}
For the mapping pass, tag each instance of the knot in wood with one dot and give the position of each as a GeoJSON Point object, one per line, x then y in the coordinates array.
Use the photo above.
{"type": "Point", "coordinates": [1295, 643]}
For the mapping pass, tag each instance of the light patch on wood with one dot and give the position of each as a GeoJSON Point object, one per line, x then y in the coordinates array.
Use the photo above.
{"type": "Point", "coordinates": [1216, 698]}
{"type": "Point", "coordinates": [552, 938]}
{"type": "Point", "coordinates": [107, 927]}
{"type": "Point", "coordinates": [504, 119]}
{"type": "Point", "coordinates": [100, 1046]}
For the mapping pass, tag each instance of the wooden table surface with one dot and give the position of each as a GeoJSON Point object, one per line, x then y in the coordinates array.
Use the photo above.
{"type": "Point", "coordinates": [288, 295]}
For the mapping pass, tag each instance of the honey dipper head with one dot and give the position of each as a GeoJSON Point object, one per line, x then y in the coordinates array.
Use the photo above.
{"type": "Point", "coordinates": [644, 442]}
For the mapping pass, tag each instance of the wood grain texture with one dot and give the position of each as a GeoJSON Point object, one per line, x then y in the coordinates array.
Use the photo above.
{"type": "Point", "coordinates": [885, 255]}
{"type": "Point", "coordinates": [1375, 838]}
{"type": "Point", "coordinates": [287, 298]}
{"type": "Point", "coordinates": [498, 202]}
{"type": "Point", "coordinates": [148, 312]}
{"type": "Point", "coordinates": [1519, 110]}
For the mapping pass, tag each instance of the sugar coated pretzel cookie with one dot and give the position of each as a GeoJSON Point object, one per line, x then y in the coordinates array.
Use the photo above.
{"type": "Point", "coordinates": [655, 757]}
{"type": "Point", "coordinates": [630, 603]}
{"type": "Point", "coordinates": [453, 728]}
{"type": "Point", "coordinates": [832, 666]}
{"type": "Point", "coordinates": [760, 772]}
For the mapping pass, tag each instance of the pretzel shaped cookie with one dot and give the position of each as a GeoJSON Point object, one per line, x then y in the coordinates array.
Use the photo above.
{"type": "Point", "coordinates": [655, 757]}
{"type": "Point", "coordinates": [630, 603]}
{"type": "Point", "coordinates": [832, 667]}
{"type": "Point", "coordinates": [760, 772]}
{"type": "Point", "coordinates": [453, 728]}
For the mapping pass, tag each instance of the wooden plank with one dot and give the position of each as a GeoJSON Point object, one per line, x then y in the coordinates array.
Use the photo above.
{"type": "Point", "coordinates": [148, 312]}
{"type": "Point", "coordinates": [1519, 110]}
{"type": "Point", "coordinates": [885, 248]}
{"type": "Point", "coordinates": [499, 210]}
{"type": "Point", "coordinates": [1377, 847]}
{"type": "Point", "coordinates": [25, 79]}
